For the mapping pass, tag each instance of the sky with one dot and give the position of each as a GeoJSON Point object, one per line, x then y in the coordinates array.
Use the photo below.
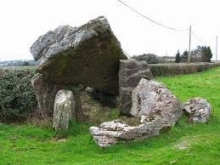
{"type": "Point", "coordinates": [23, 21]}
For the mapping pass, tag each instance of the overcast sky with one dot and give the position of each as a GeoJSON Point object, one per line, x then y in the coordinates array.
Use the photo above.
{"type": "Point", "coordinates": [23, 21]}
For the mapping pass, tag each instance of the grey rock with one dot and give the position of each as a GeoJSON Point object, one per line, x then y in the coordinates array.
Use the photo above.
{"type": "Point", "coordinates": [40, 46]}
{"type": "Point", "coordinates": [130, 73]}
{"type": "Point", "coordinates": [64, 107]}
{"type": "Point", "coordinates": [117, 131]}
{"type": "Point", "coordinates": [154, 100]}
{"type": "Point", "coordinates": [87, 55]}
{"type": "Point", "coordinates": [152, 104]}
{"type": "Point", "coordinates": [45, 92]}
{"type": "Point", "coordinates": [198, 110]}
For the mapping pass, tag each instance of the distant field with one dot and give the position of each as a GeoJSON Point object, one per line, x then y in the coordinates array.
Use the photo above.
{"type": "Point", "coordinates": [184, 144]}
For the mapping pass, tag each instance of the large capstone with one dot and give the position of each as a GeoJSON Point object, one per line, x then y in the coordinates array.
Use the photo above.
{"type": "Point", "coordinates": [87, 55]}
{"type": "Point", "coordinates": [197, 110]}
{"type": "Point", "coordinates": [64, 107]}
{"type": "Point", "coordinates": [130, 73]}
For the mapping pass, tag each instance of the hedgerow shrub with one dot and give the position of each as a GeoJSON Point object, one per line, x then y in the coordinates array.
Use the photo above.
{"type": "Point", "coordinates": [17, 98]}
{"type": "Point", "coordinates": [149, 58]}
{"type": "Point", "coordinates": [181, 68]}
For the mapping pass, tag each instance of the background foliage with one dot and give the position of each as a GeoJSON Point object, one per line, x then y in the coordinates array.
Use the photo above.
{"type": "Point", "coordinates": [180, 69]}
{"type": "Point", "coordinates": [149, 58]}
{"type": "Point", "coordinates": [17, 97]}
{"type": "Point", "coordinates": [200, 54]}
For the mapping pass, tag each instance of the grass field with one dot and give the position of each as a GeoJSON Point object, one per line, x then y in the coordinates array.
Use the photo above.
{"type": "Point", "coordinates": [184, 144]}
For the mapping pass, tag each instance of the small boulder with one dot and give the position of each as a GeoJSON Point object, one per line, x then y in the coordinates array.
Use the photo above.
{"type": "Point", "coordinates": [64, 107]}
{"type": "Point", "coordinates": [197, 110]}
{"type": "Point", "coordinates": [130, 73]}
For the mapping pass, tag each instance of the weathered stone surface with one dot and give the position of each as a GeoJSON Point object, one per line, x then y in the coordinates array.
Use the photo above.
{"type": "Point", "coordinates": [197, 110]}
{"type": "Point", "coordinates": [130, 73]}
{"type": "Point", "coordinates": [117, 131]}
{"type": "Point", "coordinates": [64, 107]}
{"type": "Point", "coordinates": [45, 92]}
{"type": "Point", "coordinates": [88, 55]}
{"type": "Point", "coordinates": [154, 106]}
{"type": "Point", "coordinates": [153, 100]}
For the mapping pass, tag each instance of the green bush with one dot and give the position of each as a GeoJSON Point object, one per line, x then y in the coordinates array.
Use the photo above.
{"type": "Point", "coordinates": [17, 98]}
{"type": "Point", "coordinates": [149, 58]}
{"type": "Point", "coordinates": [181, 68]}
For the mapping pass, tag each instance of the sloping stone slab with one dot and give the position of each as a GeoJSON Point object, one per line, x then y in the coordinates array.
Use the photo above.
{"type": "Point", "coordinates": [87, 55]}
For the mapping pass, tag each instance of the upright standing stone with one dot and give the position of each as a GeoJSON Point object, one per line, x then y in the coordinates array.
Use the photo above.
{"type": "Point", "coordinates": [64, 107]}
{"type": "Point", "coordinates": [45, 92]}
{"type": "Point", "coordinates": [130, 73]}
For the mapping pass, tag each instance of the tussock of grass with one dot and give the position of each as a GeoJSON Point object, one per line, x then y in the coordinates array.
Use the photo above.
{"type": "Point", "coordinates": [29, 144]}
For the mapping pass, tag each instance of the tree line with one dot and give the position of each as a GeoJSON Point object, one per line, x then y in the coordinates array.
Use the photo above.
{"type": "Point", "coordinates": [201, 54]}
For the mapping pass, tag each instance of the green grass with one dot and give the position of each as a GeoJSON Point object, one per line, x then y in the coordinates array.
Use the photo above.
{"type": "Point", "coordinates": [184, 144]}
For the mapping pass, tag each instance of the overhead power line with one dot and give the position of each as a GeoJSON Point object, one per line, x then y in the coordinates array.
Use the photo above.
{"type": "Point", "coordinates": [193, 33]}
{"type": "Point", "coordinates": [160, 24]}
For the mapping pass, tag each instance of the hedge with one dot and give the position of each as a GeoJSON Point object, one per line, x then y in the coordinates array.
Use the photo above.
{"type": "Point", "coordinates": [17, 98]}
{"type": "Point", "coordinates": [173, 69]}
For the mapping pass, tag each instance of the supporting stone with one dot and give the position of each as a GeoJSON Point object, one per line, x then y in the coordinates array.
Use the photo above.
{"type": "Point", "coordinates": [45, 92]}
{"type": "Point", "coordinates": [64, 107]}
{"type": "Point", "coordinates": [130, 73]}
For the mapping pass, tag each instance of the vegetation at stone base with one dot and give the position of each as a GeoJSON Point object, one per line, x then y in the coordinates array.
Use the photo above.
{"type": "Point", "coordinates": [183, 144]}
{"type": "Point", "coordinates": [180, 68]}
{"type": "Point", "coordinates": [96, 111]}
{"type": "Point", "coordinates": [103, 97]}
{"type": "Point", "coordinates": [18, 102]}
{"type": "Point", "coordinates": [17, 97]}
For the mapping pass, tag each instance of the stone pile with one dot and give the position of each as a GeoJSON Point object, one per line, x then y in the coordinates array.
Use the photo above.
{"type": "Point", "coordinates": [69, 56]}
{"type": "Point", "coordinates": [91, 55]}
{"type": "Point", "coordinates": [155, 107]}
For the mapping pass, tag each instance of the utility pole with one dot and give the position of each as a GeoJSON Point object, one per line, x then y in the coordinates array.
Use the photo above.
{"type": "Point", "coordinates": [216, 58]}
{"type": "Point", "coordinates": [189, 53]}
